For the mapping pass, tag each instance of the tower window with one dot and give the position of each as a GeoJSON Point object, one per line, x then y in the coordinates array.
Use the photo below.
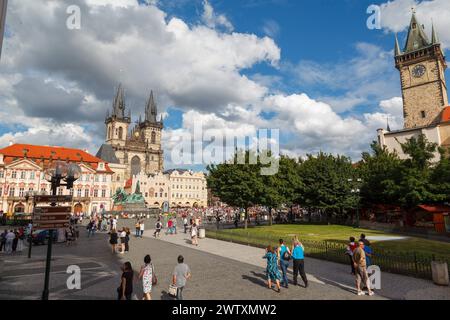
{"type": "Point", "coordinates": [423, 114]}
{"type": "Point", "coordinates": [120, 133]}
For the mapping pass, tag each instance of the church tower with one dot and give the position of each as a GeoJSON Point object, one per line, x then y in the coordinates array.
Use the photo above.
{"type": "Point", "coordinates": [117, 123]}
{"type": "Point", "coordinates": [422, 68]}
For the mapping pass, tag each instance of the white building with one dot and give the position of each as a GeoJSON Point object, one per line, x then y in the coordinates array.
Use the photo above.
{"type": "Point", "coordinates": [180, 188]}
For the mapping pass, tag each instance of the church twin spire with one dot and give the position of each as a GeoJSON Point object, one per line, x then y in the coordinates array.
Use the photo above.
{"type": "Point", "coordinates": [151, 110]}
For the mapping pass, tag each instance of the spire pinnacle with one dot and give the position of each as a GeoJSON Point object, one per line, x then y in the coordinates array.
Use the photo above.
{"type": "Point", "coordinates": [151, 109]}
{"type": "Point", "coordinates": [119, 103]}
{"type": "Point", "coordinates": [397, 47]}
{"type": "Point", "coordinates": [434, 36]}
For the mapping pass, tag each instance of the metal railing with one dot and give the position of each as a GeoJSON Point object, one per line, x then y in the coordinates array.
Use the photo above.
{"type": "Point", "coordinates": [406, 263]}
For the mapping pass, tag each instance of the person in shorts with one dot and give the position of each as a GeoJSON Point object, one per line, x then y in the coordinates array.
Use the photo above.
{"type": "Point", "coordinates": [359, 260]}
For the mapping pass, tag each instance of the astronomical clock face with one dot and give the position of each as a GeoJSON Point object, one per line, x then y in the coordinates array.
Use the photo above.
{"type": "Point", "coordinates": [419, 71]}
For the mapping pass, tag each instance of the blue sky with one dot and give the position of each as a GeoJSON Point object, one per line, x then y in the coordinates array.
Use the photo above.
{"type": "Point", "coordinates": [309, 68]}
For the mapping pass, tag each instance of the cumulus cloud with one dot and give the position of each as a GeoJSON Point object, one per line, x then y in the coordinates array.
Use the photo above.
{"type": "Point", "coordinates": [213, 20]}
{"type": "Point", "coordinates": [396, 16]}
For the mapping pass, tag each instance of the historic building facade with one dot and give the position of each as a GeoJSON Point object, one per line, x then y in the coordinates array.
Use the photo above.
{"type": "Point", "coordinates": [22, 170]}
{"type": "Point", "coordinates": [422, 68]}
{"type": "Point", "coordinates": [139, 149]}
{"type": "Point", "coordinates": [180, 188]}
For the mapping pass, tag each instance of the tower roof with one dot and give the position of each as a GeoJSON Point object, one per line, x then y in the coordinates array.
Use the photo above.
{"type": "Point", "coordinates": [151, 109]}
{"type": "Point", "coordinates": [397, 47]}
{"type": "Point", "coordinates": [417, 39]}
{"type": "Point", "coordinates": [119, 103]}
{"type": "Point", "coordinates": [434, 36]}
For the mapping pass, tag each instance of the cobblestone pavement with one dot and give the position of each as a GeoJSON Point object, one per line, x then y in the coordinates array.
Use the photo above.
{"type": "Point", "coordinates": [217, 273]}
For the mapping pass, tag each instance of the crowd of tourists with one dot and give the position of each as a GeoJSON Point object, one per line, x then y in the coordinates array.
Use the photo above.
{"type": "Point", "coordinates": [12, 240]}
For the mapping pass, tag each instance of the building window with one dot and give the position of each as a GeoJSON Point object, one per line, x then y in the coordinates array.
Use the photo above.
{"type": "Point", "coordinates": [32, 175]}
{"type": "Point", "coordinates": [160, 195]}
{"type": "Point", "coordinates": [1, 191]}
{"type": "Point", "coordinates": [104, 178]}
{"type": "Point", "coordinates": [156, 195]}
{"type": "Point", "coordinates": [60, 191]}
{"type": "Point", "coordinates": [79, 193]}
{"type": "Point", "coordinates": [103, 193]}
{"type": "Point", "coordinates": [165, 195]}
{"type": "Point", "coordinates": [146, 194]}
{"type": "Point", "coordinates": [86, 193]}
{"type": "Point", "coordinates": [14, 175]}
{"type": "Point", "coordinates": [1, 174]}
{"type": "Point", "coordinates": [71, 192]}
{"type": "Point", "coordinates": [95, 193]}
{"type": "Point", "coordinates": [31, 189]}
{"type": "Point", "coordinates": [23, 175]}
{"type": "Point", "coordinates": [12, 192]}
{"type": "Point", "coordinates": [96, 178]}
{"type": "Point", "coordinates": [21, 192]}
{"type": "Point", "coordinates": [43, 190]}
{"type": "Point", "coordinates": [423, 114]}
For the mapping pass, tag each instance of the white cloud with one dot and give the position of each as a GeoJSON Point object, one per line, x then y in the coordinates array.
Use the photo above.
{"type": "Point", "coordinates": [396, 16]}
{"type": "Point", "coordinates": [271, 28]}
{"type": "Point", "coordinates": [213, 20]}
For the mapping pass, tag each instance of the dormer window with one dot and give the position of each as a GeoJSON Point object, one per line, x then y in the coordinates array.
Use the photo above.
{"type": "Point", "coordinates": [414, 25]}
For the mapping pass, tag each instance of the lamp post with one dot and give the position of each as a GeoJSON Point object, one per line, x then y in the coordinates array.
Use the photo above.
{"type": "Point", "coordinates": [355, 190]}
{"type": "Point", "coordinates": [54, 174]}
{"type": "Point", "coordinates": [28, 195]}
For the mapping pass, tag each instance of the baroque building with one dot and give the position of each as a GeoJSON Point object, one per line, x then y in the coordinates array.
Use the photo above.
{"type": "Point", "coordinates": [134, 150]}
{"type": "Point", "coordinates": [22, 169]}
{"type": "Point", "coordinates": [422, 68]}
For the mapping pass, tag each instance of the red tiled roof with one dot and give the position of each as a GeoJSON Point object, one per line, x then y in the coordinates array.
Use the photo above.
{"type": "Point", "coordinates": [46, 153]}
{"type": "Point", "coordinates": [435, 208]}
{"type": "Point", "coordinates": [445, 117]}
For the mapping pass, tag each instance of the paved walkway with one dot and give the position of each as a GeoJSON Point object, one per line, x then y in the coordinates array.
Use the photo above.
{"type": "Point", "coordinates": [318, 271]}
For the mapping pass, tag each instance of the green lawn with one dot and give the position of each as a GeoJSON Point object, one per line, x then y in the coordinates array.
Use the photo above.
{"type": "Point", "coordinates": [336, 233]}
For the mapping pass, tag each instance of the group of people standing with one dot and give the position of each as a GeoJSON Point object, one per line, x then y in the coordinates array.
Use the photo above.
{"type": "Point", "coordinates": [12, 240]}
{"type": "Point", "coordinates": [124, 237]}
{"type": "Point", "coordinates": [360, 255]}
{"type": "Point", "coordinates": [139, 228]}
{"type": "Point", "coordinates": [147, 275]}
{"type": "Point", "coordinates": [280, 258]}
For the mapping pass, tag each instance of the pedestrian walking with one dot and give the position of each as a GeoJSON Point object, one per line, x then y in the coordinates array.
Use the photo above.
{"type": "Point", "coordinates": [10, 236]}
{"type": "Point", "coordinates": [126, 282]}
{"type": "Point", "coordinates": [185, 224]}
{"type": "Point", "coordinates": [158, 226]}
{"type": "Point", "coordinates": [147, 274]}
{"type": "Point", "coordinates": [138, 228]}
{"type": "Point", "coordinates": [364, 240]}
{"type": "Point", "coordinates": [169, 227]}
{"type": "Point", "coordinates": [127, 240]}
{"type": "Point", "coordinates": [359, 260]}
{"type": "Point", "coordinates": [122, 236]}
{"type": "Point", "coordinates": [273, 274]}
{"type": "Point", "coordinates": [3, 240]}
{"type": "Point", "coordinates": [284, 256]}
{"type": "Point", "coordinates": [194, 235]}
{"type": "Point", "coordinates": [368, 251]}
{"type": "Point", "coordinates": [180, 275]}
{"type": "Point", "coordinates": [298, 258]}
{"type": "Point", "coordinates": [141, 228]}
{"type": "Point", "coordinates": [113, 237]}
{"type": "Point", "coordinates": [174, 225]}
{"type": "Point", "coordinates": [352, 245]}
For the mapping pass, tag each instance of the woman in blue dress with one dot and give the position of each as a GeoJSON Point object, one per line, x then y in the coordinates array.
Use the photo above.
{"type": "Point", "coordinates": [273, 274]}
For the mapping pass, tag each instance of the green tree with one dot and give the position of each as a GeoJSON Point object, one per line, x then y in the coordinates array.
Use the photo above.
{"type": "Point", "coordinates": [237, 185]}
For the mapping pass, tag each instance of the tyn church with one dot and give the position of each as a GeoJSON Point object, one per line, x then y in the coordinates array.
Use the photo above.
{"type": "Point", "coordinates": [138, 149]}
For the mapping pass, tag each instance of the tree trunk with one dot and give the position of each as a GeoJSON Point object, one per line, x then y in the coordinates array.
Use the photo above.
{"type": "Point", "coordinates": [270, 217]}
{"type": "Point", "coordinates": [246, 219]}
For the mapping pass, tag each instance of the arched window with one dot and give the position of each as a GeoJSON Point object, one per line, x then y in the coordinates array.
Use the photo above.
{"type": "Point", "coordinates": [135, 165]}
{"type": "Point", "coordinates": [153, 137]}
{"type": "Point", "coordinates": [109, 133]}
{"type": "Point", "coordinates": [120, 133]}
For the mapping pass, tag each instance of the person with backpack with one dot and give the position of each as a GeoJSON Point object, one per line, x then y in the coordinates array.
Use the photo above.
{"type": "Point", "coordinates": [349, 251]}
{"type": "Point", "coordinates": [284, 256]}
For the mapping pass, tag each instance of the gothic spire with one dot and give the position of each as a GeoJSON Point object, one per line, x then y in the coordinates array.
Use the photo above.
{"type": "Point", "coordinates": [417, 39]}
{"type": "Point", "coordinates": [151, 109]}
{"type": "Point", "coordinates": [434, 36]}
{"type": "Point", "coordinates": [397, 47]}
{"type": "Point", "coordinates": [119, 103]}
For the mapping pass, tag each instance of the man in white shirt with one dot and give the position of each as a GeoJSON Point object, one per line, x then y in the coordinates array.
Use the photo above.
{"type": "Point", "coordinates": [9, 241]}
{"type": "Point", "coordinates": [142, 228]}
{"type": "Point", "coordinates": [114, 224]}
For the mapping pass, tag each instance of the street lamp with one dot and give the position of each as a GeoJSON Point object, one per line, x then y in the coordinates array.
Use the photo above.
{"type": "Point", "coordinates": [357, 192]}
{"type": "Point", "coordinates": [68, 172]}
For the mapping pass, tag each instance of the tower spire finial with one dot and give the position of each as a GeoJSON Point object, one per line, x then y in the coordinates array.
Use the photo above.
{"type": "Point", "coordinates": [151, 109]}
{"type": "Point", "coordinates": [397, 46]}
{"type": "Point", "coordinates": [434, 36]}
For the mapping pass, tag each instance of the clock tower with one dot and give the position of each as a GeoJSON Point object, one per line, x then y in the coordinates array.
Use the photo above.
{"type": "Point", "coordinates": [422, 68]}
